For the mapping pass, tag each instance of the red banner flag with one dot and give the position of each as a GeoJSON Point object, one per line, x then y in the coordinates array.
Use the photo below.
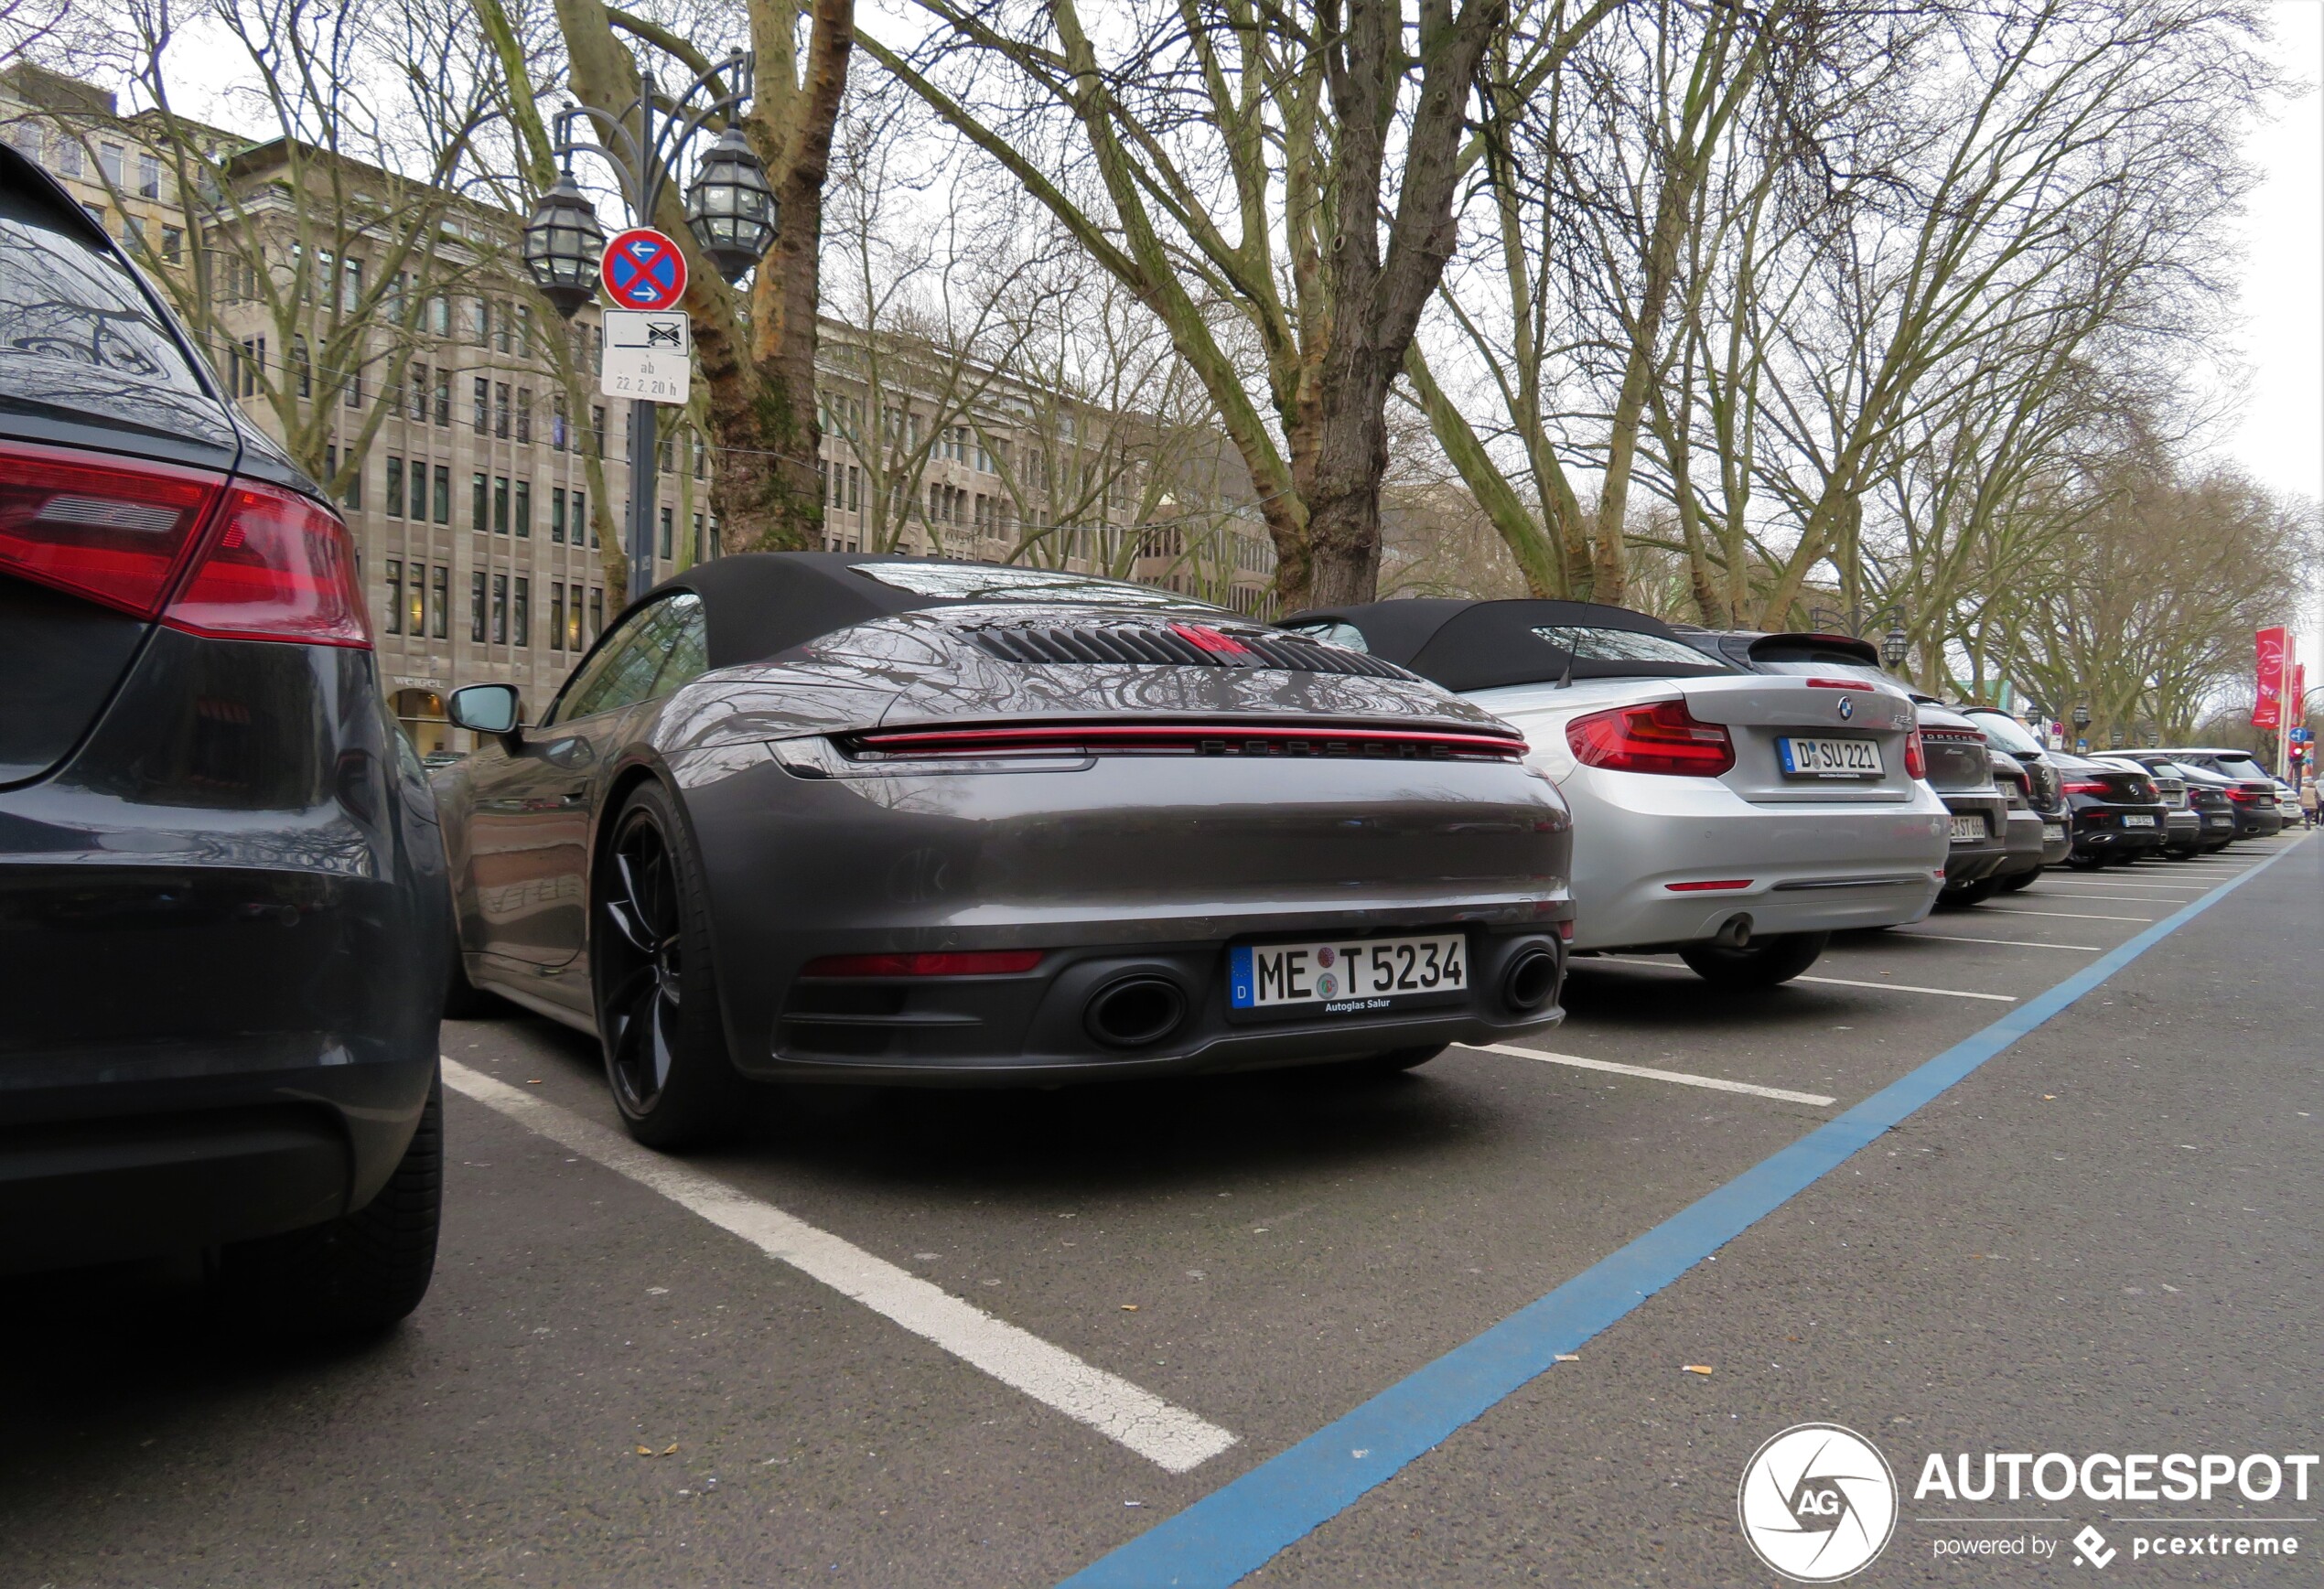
{"type": "Point", "coordinates": [2267, 710]}
{"type": "Point", "coordinates": [2297, 701]}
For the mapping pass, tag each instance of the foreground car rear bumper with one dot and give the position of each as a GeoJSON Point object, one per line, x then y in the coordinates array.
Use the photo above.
{"type": "Point", "coordinates": [1037, 1027]}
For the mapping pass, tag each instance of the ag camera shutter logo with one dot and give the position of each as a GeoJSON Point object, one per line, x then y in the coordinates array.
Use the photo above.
{"type": "Point", "coordinates": [1818, 1503]}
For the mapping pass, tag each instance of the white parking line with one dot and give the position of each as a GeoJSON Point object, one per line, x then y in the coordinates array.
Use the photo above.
{"type": "Point", "coordinates": [2124, 899]}
{"type": "Point", "coordinates": [1168, 1436]}
{"type": "Point", "coordinates": [2060, 915]}
{"type": "Point", "coordinates": [1684, 1079]}
{"type": "Point", "coordinates": [1842, 982]}
{"type": "Point", "coordinates": [2004, 942]}
{"type": "Point", "coordinates": [2125, 883]}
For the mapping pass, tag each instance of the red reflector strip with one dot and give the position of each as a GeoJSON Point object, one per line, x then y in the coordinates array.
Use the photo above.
{"type": "Point", "coordinates": [1837, 684]}
{"type": "Point", "coordinates": [1708, 887]}
{"type": "Point", "coordinates": [1565, 930]}
{"type": "Point", "coordinates": [1956, 735]}
{"type": "Point", "coordinates": [1211, 639]}
{"type": "Point", "coordinates": [1216, 738]}
{"type": "Point", "coordinates": [982, 963]}
{"type": "Point", "coordinates": [112, 530]}
{"type": "Point", "coordinates": [280, 567]}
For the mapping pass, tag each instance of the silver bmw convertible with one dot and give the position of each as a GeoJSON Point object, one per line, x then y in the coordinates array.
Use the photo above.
{"type": "Point", "coordinates": [877, 819]}
{"type": "Point", "coordinates": [1736, 819]}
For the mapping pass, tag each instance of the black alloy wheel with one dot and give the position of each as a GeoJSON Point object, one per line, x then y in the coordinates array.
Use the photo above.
{"type": "Point", "coordinates": [665, 1051]}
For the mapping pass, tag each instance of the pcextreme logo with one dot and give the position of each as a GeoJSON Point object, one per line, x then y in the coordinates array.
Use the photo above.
{"type": "Point", "coordinates": [1818, 1503]}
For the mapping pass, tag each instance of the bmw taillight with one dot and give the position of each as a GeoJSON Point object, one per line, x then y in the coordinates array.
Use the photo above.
{"type": "Point", "coordinates": [2085, 789]}
{"type": "Point", "coordinates": [114, 531]}
{"type": "Point", "coordinates": [1664, 738]}
{"type": "Point", "coordinates": [277, 567]}
{"type": "Point", "coordinates": [1916, 756]}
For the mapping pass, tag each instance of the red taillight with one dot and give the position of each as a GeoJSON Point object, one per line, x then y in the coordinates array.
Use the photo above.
{"type": "Point", "coordinates": [1663, 738]}
{"type": "Point", "coordinates": [1183, 739]}
{"type": "Point", "coordinates": [2241, 796]}
{"type": "Point", "coordinates": [1837, 684]}
{"type": "Point", "coordinates": [113, 530]}
{"type": "Point", "coordinates": [1916, 756]}
{"type": "Point", "coordinates": [1723, 883]}
{"type": "Point", "coordinates": [276, 567]}
{"type": "Point", "coordinates": [1209, 639]}
{"type": "Point", "coordinates": [985, 963]}
{"type": "Point", "coordinates": [2083, 788]}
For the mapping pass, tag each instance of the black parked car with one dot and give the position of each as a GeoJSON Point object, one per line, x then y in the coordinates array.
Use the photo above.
{"type": "Point", "coordinates": [814, 816]}
{"type": "Point", "coordinates": [2183, 827]}
{"type": "Point", "coordinates": [2118, 814]}
{"type": "Point", "coordinates": [222, 913]}
{"type": "Point", "coordinates": [2210, 806]}
{"type": "Point", "coordinates": [1959, 769]}
{"type": "Point", "coordinates": [2005, 736]}
{"type": "Point", "coordinates": [2256, 800]}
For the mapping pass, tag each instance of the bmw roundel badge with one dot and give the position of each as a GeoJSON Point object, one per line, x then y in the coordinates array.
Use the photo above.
{"type": "Point", "coordinates": [1847, 708]}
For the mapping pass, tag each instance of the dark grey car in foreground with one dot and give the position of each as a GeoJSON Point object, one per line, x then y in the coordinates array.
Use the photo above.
{"type": "Point", "coordinates": [818, 816]}
{"type": "Point", "coordinates": [222, 914]}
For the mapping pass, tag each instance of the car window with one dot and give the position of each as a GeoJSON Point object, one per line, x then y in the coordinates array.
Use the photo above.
{"type": "Point", "coordinates": [1628, 646]}
{"type": "Point", "coordinates": [1846, 670]}
{"type": "Point", "coordinates": [1332, 632]}
{"type": "Point", "coordinates": [2010, 733]}
{"type": "Point", "coordinates": [629, 667]}
{"type": "Point", "coordinates": [981, 582]}
{"type": "Point", "coordinates": [63, 302]}
{"type": "Point", "coordinates": [2241, 766]}
{"type": "Point", "coordinates": [688, 637]}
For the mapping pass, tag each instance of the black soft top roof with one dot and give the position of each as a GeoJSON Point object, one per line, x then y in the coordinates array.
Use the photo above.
{"type": "Point", "coordinates": [1484, 645]}
{"type": "Point", "coordinates": [761, 604]}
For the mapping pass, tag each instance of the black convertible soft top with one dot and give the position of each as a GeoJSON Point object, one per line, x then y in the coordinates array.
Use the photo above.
{"type": "Point", "coordinates": [1484, 645]}
{"type": "Point", "coordinates": [761, 604]}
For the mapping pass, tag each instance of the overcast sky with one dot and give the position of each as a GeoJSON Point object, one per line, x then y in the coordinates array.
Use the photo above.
{"type": "Point", "coordinates": [2279, 437]}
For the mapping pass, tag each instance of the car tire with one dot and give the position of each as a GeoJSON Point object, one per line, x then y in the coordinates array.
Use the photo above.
{"type": "Point", "coordinates": [353, 1275]}
{"type": "Point", "coordinates": [654, 980]}
{"type": "Point", "coordinates": [1969, 893]}
{"type": "Point", "coordinates": [1764, 962]}
{"type": "Point", "coordinates": [2022, 880]}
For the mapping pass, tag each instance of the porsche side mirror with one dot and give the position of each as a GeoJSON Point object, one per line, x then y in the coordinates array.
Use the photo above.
{"type": "Point", "coordinates": [486, 709]}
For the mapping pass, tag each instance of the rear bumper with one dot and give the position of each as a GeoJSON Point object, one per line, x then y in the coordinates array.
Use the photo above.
{"type": "Point", "coordinates": [1035, 1028]}
{"type": "Point", "coordinates": [1972, 859]}
{"type": "Point", "coordinates": [2024, 845]}
{"type": "Point", "coordinates": [2258, 822]}
{"type": "Point", "coordinates": [2099, 832]}
{"type": "Point", "coordinates": [1828, 866]}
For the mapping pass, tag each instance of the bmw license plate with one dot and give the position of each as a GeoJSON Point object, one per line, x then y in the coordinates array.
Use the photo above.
{"type": "Point", "coordinates": [1829, 758]}
{"type": "Point", "coordinates": [2130, 821]}
{"type": "Point", "coordinates": [1345, 978]}
{"type": "Point", "coordinates": [1968, 828]}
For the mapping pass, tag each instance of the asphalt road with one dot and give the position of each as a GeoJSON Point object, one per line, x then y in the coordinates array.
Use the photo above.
{"type": "Point", "coordinates": [2104, 1239]}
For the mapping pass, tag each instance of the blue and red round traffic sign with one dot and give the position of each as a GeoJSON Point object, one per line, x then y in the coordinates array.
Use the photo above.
{"type": "Point", "coordinates": [643, 270]}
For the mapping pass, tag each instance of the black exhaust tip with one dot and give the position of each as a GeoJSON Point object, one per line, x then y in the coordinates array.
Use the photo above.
{"type": "Point", "coordinates": [1531, 980]}
{"type": "Point", "coordinates": [1135, 1012]}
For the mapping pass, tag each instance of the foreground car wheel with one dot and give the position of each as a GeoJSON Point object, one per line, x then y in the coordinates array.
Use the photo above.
{"type": "Point", "coordinates": [359, 1273]}
{"type": "Point", "coordinates": [665, 1052]}
{"type": "Point", "coordinates": [1761, 963]}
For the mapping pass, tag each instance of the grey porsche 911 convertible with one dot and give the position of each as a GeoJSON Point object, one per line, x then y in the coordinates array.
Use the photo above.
{"type": "Point", "coordinates": [816, 816]}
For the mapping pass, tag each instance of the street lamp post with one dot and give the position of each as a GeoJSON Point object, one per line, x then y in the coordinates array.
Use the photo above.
{"type": "Point", "coordinates": [729, 208]}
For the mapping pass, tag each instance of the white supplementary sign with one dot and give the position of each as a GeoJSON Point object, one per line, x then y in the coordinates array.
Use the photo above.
{"type": "Point", "coordinates": [648, 355]}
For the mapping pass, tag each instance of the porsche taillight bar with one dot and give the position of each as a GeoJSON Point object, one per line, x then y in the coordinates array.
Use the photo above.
{"type": "Point", "coordinates": [1184, 739]}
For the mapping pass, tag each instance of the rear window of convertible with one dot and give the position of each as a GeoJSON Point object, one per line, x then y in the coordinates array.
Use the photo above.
{"type": "Point", "coordinates": [1639, 652]}
{"type": "Point", "coordinates": [974, 581]}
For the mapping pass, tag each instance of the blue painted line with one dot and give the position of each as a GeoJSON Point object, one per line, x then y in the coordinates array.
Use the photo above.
{"type": "Point", "coordinates": [1235, 1529]}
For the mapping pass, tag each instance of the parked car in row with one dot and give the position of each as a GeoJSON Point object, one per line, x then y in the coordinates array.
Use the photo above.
{"type": "Point", "coordinates": [2182, 828]}
{"type": "Point", "coordinates": [2026, 832]}
{"type": "Point", "coordinates": [2118, 814]}
{"type": "Point", "coordinates": [2008, 740]}
{"type": "Point", "coordinates": [223, 912]}
{"type": "Point", "coordinates": [2210, 806]}
{"type": "Point", "coordinates": [1956, 768]}
{"type": "Point", "coordinates": [1735, 819]}
{"type": "Point", "coordinates": [2258, 802]}
{"type": "Point", "coordinates": [826, 816]}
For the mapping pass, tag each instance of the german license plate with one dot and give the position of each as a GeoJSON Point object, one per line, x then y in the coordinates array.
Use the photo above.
{"type": "Point", "coordinates": [2053, 831]}
{"type": "Point", "coordinates": [2132, 821]}
{"type": "Point", "coordinates": [1829, 758]}
{"type": "Point", "coordinates": [1366, 973]}
{"type": "Point", "coordinates": [1972, 827]}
